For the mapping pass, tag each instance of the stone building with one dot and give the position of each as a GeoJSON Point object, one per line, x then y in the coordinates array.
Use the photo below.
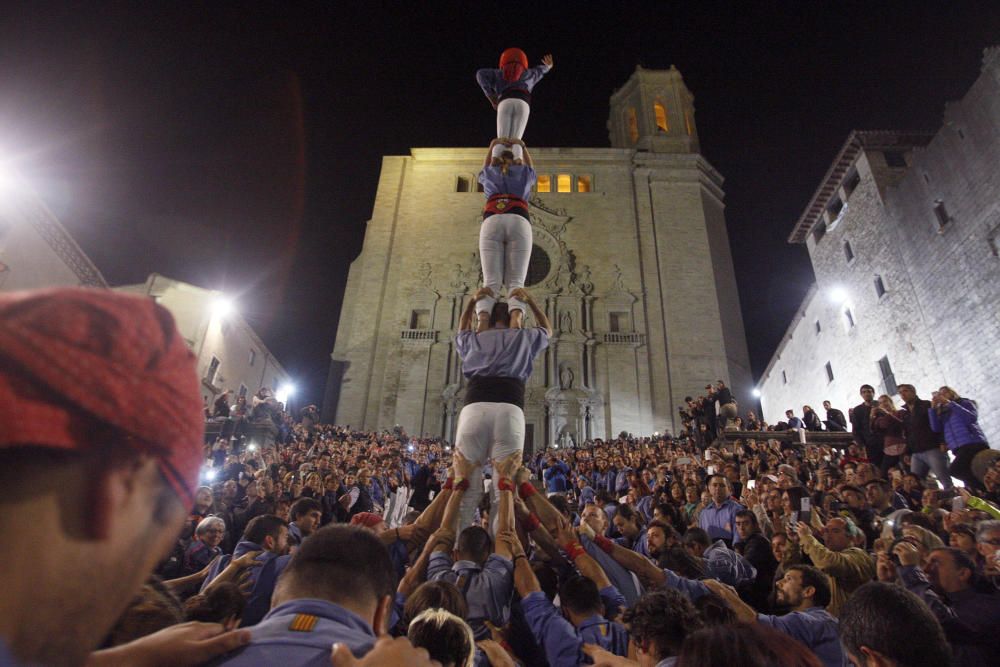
{"type": "Point", "coordinates": [230, 354]}
{"type": "Point", "coordinates": [904, 238]}
{"type": "Point", "coordinates": [36, 251]}
{"type": "Point", "coordinates": [631, 260]}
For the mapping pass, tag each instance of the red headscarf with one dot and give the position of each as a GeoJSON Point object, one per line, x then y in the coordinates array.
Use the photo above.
{"type": "Point", "coordinates": [513, 63]}
{"type": "Point", "coordinates": [74, 362]}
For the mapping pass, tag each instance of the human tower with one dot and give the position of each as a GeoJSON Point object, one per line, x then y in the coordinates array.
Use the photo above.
{"type": "Point", "coordinates": [497, 351]}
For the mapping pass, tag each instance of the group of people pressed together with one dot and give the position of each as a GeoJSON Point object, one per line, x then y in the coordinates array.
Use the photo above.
{"type": "Point", "coordinates": [132, 542]}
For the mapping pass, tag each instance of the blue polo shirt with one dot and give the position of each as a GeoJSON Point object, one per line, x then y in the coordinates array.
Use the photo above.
{"type": "Point", "coordinates": [720, 522]}
{"type": "Point", "coordinates": [500, 352]}
{"type": "Point", "coordinates": [301, 633]}
{"type": "Point", "coordinates": [815, 628]}
{"type": "Point", "coordinates": [487, 589]}
{"type": "Point", "coordinates": [563, 644]}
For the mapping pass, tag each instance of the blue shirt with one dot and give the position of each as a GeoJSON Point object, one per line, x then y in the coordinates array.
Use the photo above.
{"type": "Point", "coordinates": [624, 581]}
{"type": "Point", "coordinates": [493, 84]}
{"type": "Point", "coordinates": [487, 589]}
{"type": "Point", "coordinates": [720, 522]}
{"type": "Point", "coordinates": [815, 628]}
{"type": "Point", "coordinates": [555, 477]}
{"type": "Point", "coordinates": [300, 633]}
{"type": "Point", "coordinates": [500, 352]}
{"type": "Point", "coordinates": [728, 566]}
{"type": "Point", "coordinates": [563, 644]}
{"type": "Point", "coordinates": [587, 495]}
{"type": "Point", "coordinates": [263, 578]}
{"type": "Point", "coordinates": [518, 181]}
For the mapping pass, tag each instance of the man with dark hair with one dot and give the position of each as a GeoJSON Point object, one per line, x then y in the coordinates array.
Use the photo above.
{"type": "Point", "coordinates": [967, 607]}
{"type": "Point", "coordinates": [93, 474]}
{"type": "Point", "coordinates": [481, 572]}
{"type": "Point", "coordinates": [305, 516]}
{"type": "Point", "coordinates": [835, 420]}
{"type": "Point", "coordinates": [883, 625]}
{"type": "Point", "coordinates": [721, 562]}
{"type": "Point", "coordinates": [806, 591]}
{"type": "Point", "coordinates": [718, 517]}
{"type": "Point", "coordinates": [861, 425]}
{"type": "Point", "coordinates": [658, 623]}
{"type": "Point", "coordinates": [659, 536]}
{"type": "Point", "coordinates": [923, 442]}
{"type": "Point", "coordinates": [756, 549]}
{"type": "Point", "coordinates": [267, 534]}
{"type": "Point", "coordinates": [336, 590]}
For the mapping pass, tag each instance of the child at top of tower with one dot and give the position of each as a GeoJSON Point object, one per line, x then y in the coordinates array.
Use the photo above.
{"type": "Point", "coordinates": [509, 91]}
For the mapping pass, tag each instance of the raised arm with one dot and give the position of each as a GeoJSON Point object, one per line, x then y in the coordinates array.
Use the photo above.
{"type": "Point", "coordinates": [489, 153]}
{"type": "Point", "coordinates": [587, 566]}
{"type": "Point", "coordinates": [540, 317]}
{"type": "Point", "coordinates": [525, 156]}
{"type": "Point", "coordinates": [463, 468]}
{"type": "Point", "coordinates": [538, 503]}
{"type": "Point", "coordinates": [505, 486]}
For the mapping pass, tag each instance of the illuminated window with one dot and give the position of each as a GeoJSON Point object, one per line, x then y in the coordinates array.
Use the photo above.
{"type": "Point", "coordinates": [633, 125]}
{"type": "Point", "coordinates": [583, 183]}
{"type": "Point", "coordinates": [544, 183]}
{"type": "Point", "coordinates": [564, 183]}
{"type": "Point", "coordinates": [688, 123]}
{"type": "Point", "coordinates": [661, 116]}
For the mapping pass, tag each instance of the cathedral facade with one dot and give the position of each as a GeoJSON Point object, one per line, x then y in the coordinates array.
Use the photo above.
{"type": "Point", "coordinates": [631, 261]}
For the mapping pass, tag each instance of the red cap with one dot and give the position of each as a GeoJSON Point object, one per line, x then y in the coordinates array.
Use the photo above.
{"type": "Point", "coordinates": [366, 519]}
{"type": "Point", "coordinates": [513, 62]}
{"type": "Point", "coordinates": [75, 360]}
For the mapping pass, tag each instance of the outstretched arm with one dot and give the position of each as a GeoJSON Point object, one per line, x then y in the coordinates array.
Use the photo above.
{"type": "Point", "coordinates": [587, 566]}
{"type": "Point", "coordinates": [505, 486]}
{"type": "Point", "coordinates": [537, 502]}
{"type": "Point", "coordinates": [540, 317]}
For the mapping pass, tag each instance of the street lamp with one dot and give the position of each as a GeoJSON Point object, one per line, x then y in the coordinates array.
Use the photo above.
{"type": "Point", "coordinates": [284, 393]}
{"type": "Point", "coordinates": [838, 294]}
{"type": "Point", "coordinates": [223, 306]}
{"type": "Point", "coordinates": [756, 392]}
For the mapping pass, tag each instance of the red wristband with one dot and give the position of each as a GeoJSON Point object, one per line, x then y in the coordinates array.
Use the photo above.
{"type": "Point", "coordinates": [462, 486]}
{"type": "Point", "coordinates": [527, 490]}
{"type": "Point", "coordinates": [449, 484]}
{"type": "Point", "coordinates": [573, 550]}
{"type": "Point", "coordinates": [504, 484]}
{"type": "Point", "coordinates": [532, 522]}
{"type": "Point", "coordinates": [606, 545]}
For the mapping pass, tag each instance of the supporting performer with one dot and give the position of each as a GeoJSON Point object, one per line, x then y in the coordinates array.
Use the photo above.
{"type": "Point", "coordinates": [509, 91]}
{"type": "Point", "coordinates": [505, 234]}
{"type": "Point", "coordinates": [496, 363]}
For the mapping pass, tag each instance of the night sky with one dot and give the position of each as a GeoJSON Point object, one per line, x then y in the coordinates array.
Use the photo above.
{"type": "Point", "coordinates": [238, 147]}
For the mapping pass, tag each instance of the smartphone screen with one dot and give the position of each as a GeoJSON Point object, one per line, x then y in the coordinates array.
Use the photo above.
{"type": "Point", "coordinates": [805, 510]}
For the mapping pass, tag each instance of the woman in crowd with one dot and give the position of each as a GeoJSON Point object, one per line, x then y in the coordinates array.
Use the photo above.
{"type": "Point", "coordinates": [887, 422]}
{"type": "Point", "coordinates": [205, 545]}
{"type": "Point", "coordinates": [958, 419]}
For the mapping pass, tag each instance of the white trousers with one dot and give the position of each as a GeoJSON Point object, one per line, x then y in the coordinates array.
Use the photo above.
{"type": "Point", "coordinates": [512, 118]}
{"type": "Point", "coordinates": [504, 251]}
{"type": "Point", "coordinates": [486, 432]}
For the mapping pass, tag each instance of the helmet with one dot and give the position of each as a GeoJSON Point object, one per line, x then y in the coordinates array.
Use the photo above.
{"type": "Point", "coordinates": [513, 62]}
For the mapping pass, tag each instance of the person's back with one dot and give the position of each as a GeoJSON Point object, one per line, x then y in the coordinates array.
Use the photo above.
{"type": "Point", "coordinates": [336, 589]}
{"type": "Point", "coordinates": [267, 534]}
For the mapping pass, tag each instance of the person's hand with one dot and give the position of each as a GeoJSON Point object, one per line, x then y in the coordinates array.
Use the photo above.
{"type": "Point", "coordinates": [345, 501]}
{"type": "Point", "coordinates": [507, 466]}
{"type": "Point", "coordinates": [547, 60]}
{"type": "Point", "coordinates": [387, 652]}
{"type": "Point", "coordinates": [520, 293]}
{"type": "Point", "coordinates": [602, 658]}
{"type": "Point", "coordinates": [482, 293]}
{"type": "Point", "coordinates": [191, 643]}
{"type": "Point", "coordinates": [565, 533]}
{"type": "Point", "coordinates": [585, 529]}
{"type": "Point", "coordinates": [722, 590]}
{"type": "Point", "coordinates": [885, 569]}
{"type": "Point", "coordinates": [509, 537]}
{"type": "Point", "coordinates": [496, 653]}
{"type": "Point", "coordinates": [463, 466]}
{"type": "Point", "coordinates": [802, 529]}
{"type": "Point", "coordinates": [907, 553]}
{"type": "Point", "coordinates": [522, 476]}
{"type": "Point", "coordinates": [249, 559]}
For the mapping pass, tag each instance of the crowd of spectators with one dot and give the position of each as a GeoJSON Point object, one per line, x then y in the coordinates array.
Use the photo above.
{"type": "Point", "coordinates": [697, 548]}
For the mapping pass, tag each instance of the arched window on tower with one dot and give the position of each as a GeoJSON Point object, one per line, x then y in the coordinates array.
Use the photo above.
{"type": "Point", "coordinates": [632, 122]}
{"type": "Point", "coordinates": [661, 116]}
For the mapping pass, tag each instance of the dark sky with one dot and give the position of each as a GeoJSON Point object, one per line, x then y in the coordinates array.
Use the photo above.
{"type": "Point", "coordinates": [238, 147]}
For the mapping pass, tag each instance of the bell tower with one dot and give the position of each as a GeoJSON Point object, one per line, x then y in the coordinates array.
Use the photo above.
{"type": "Point", "coordinates": [654, 112]}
